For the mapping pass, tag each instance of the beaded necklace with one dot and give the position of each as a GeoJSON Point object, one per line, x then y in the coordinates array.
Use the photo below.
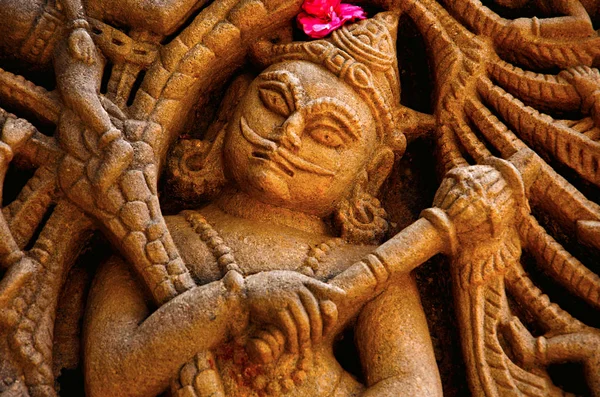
{"type": "Point", "coordinates": [226, 260]}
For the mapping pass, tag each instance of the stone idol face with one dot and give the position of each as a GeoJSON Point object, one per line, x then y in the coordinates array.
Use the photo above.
{"type": "Point", "coordinates": [254, 198]}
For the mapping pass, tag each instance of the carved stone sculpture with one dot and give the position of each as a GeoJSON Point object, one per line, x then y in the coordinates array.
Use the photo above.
{"type": "Point", "coordinates": [278, 243]}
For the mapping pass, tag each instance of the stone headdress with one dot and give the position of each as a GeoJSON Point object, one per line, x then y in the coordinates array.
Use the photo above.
{"type": "Point", "coordinates": [363, 55]}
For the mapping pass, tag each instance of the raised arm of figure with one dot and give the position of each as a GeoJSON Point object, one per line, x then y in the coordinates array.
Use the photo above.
{"type": "Point", "coordinates": [394, 344]}
{"type": "Point", "coordinates": [161, 17]}
{"type": "Point", "coordinates": [394, 259]}
{"type": "Point", "coordinates": [366, 279]}
{"type": "Point", "coordinates": [573, 22]}
{"type": "Point", "coordinates": [81, 44]}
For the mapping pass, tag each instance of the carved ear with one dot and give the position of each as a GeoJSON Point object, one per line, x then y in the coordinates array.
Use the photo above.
{"type": "Point", "coordinates": [195, 167]}
{"type": "Point", "coordinates": [378, 169]}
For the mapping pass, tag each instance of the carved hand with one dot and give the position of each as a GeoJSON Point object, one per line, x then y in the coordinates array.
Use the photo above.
{"type": "Point", "coordinates": [523, 28]}
{"type": "Point", "coordinates": [483, 201]}
{"type": "Point", "coordinates": [299, 306]}
{"type": "Point", "coordinates": [82, 46]}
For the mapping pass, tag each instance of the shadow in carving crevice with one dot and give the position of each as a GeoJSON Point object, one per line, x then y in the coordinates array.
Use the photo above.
{"type": "Point", "coordinates": [512, 9]}
{"type": "Point", "coordinates": [136, 86]}
{"type": "Point", "coordinates": [415, 73]}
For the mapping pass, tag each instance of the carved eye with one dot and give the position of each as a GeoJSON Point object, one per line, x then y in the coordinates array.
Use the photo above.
{"type": "Point", "coordinates": [326, 135]}
{"type": "Point", "coordinates": [277, 98]}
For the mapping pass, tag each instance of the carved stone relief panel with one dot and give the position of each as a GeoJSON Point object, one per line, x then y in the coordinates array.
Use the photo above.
{"type": "Point", "coordinates": [284, 198]}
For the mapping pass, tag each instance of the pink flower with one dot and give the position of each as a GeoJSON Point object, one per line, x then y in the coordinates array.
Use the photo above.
{"type": "Point", "coordinates": [320, 8]}
{"type": "Point", "coordinates": [321, 17]}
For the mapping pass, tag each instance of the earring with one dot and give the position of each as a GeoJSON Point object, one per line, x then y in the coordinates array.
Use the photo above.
{"type": "Point", "coordinates": [195, 168]}
{"type": "Point", "coordinates": [362, 219]}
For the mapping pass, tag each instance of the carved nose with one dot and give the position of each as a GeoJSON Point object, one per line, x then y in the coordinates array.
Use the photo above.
{"type": "Point", "coordinates": [290, 131]}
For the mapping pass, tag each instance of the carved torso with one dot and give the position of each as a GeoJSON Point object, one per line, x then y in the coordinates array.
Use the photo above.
{"type": "Point", "coordinates": [314, 370]}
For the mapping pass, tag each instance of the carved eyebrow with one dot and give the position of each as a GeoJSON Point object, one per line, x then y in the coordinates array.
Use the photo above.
{"type": "Point", "coordinates": [324, 106]}
{"type": "Point", "coordinates": [337, 110]}
{"type": "Point", "coordinates": [290, 82]}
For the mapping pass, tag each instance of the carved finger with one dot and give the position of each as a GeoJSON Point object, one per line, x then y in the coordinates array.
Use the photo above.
{"type": "Point", "coordinates": [75, 47]}
{"type": "Point", "coordinates": [72, 46]}
{"type": "Point", "coordinates": [458, 206]}
{"type": "Point", "coordinates": [289, 328]}
{"type": "Point", "coordinates": [329, 312]}
{"type": "Point", "coordinates": [449, 199]}
{"type": "Point", "coordinates": [260, 351]}
{"type": "Point", "coordinates": [324, 290]}
{"type": "Point", "coordinates": [277, 334]}
{"type": "Point", "coordinates": [275, 344]}
{"type": "Point", "coordinates": [568, 75]}
{"type": "Point", "coordinates": [311, 304]}
{"type": "Point", "coordinates": [302, 322]}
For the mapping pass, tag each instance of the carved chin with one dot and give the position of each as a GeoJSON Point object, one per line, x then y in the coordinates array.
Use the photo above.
{"type": "Point", "coordinates": [272, 186]}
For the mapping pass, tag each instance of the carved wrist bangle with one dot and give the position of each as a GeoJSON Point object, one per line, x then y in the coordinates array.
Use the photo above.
{"type": "Point", "coordinates": [234, 281]}
{"type": "Point", "coordinates": [442, 222]}
{"type": "Point", "coordinates": [79, 23]}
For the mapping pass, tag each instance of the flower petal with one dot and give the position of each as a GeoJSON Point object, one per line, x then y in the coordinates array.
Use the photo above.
{"type": "Point", "coordinates": [320, 8]}
{"type": "Point", "coordinates": [321, 17]}
{"type": "Point", "coordinates": [349, 12]}
{"type": "Point", "coordinates": [318, 28]}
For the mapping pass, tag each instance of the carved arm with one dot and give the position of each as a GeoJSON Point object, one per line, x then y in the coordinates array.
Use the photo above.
{"type": "Point", "coordinates": [576, 21]}
{"type": "Point", "coordinates": [398, 256]}
{"type": "Point", "coordinates": [142, 350]}
{"type": "Point", "coordinates": [130, 352]}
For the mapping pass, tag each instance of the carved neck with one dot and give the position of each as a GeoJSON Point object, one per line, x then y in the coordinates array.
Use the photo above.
{"type": "Point", "coordinates": [241, 205]}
